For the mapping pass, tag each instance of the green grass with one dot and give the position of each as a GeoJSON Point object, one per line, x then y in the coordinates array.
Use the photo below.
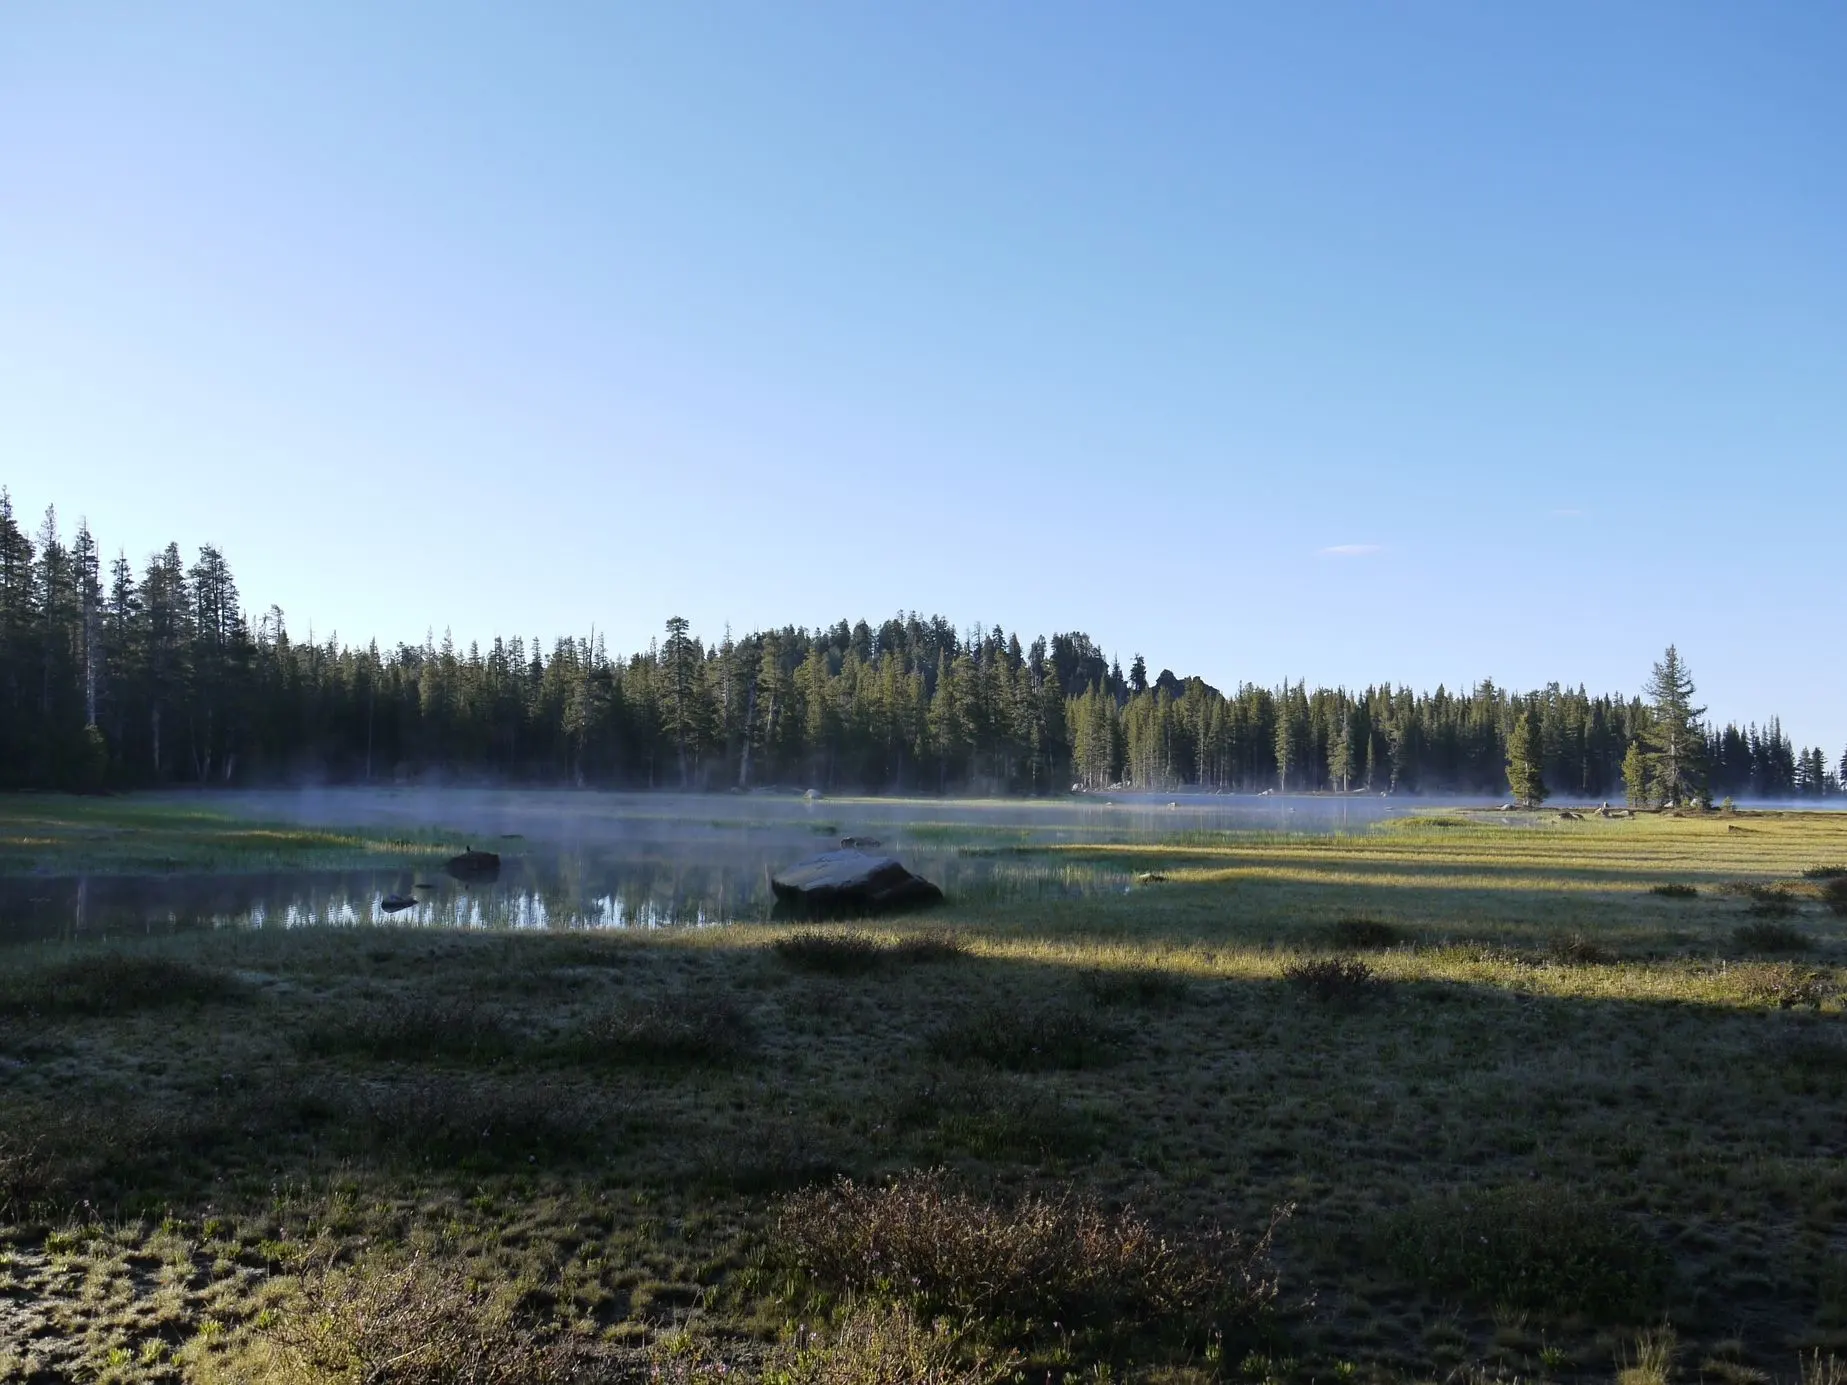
{"type": "Point", "coordinates": [44, 834]}
{"type": "Point", "coordinates": [1560, 1111]}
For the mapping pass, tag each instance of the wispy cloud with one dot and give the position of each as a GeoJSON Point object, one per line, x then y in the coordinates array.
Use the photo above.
{"type": "Point", "coordinates": [1352, 550]}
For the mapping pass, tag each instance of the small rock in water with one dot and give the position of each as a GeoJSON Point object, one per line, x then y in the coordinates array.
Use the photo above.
{"type": "Point", "coordinates": [393, 903]}
{"type": "Point", "coordinates": [474, 865]}
{"type": "Point", "coordinates": [861, 843]}
{"type": "Point", "coordinates": [847, 882]}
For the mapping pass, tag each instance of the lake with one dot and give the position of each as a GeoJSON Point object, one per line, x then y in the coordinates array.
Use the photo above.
{"type": "Point", "coordinates": [629, 860]}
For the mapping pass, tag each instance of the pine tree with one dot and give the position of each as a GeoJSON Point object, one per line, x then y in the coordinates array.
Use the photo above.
{"type": "Point", "coordinates": [1674, 739]}
{"type": "Point", "coordinates": [1524, 759]}
{"type": "Point", "coordinates": [1340, 757]}
{"type": "Point", "coordinates": [1635, 775]}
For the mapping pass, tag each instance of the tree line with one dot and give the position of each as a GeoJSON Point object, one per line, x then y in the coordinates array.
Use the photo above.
{"type": "Point", "coordinates": [118, 677]}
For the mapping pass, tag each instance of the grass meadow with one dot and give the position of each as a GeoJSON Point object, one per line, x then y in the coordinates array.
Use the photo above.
{"type": "Point", "coordinates": [1466, 1097]}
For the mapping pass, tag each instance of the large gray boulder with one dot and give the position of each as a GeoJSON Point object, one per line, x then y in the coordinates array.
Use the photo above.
{"type": "Point", "coordinates": [851, 882]}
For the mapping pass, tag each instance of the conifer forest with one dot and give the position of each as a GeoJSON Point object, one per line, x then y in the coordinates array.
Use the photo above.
{"type": "Point", "coordinates": [118, 677]}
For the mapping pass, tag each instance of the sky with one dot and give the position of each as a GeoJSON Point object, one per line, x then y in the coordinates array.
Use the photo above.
{"type": "Point", "coordinates": [1351, 342]}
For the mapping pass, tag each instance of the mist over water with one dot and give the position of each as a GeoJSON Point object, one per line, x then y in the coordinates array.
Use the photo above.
{"type": "Point", "coordinates": [579, 859]}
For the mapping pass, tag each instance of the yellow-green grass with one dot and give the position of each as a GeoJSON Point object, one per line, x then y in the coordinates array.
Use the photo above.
{"type": "Point", "coordinates": [1557, 1117]}
{"type": "Point", "coordinates": [58, 834]}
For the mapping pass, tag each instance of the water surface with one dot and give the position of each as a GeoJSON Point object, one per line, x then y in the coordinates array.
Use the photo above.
{"type": "Point", "coordinates": [609, 860]}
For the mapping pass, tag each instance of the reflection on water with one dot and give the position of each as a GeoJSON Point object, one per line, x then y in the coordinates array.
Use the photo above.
{"type": "Point", "coordinates": [626, 861]}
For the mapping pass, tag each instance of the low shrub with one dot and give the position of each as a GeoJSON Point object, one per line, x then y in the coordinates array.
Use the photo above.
{"type": "Point", "coordinates": [1675, 891]}
{"type": "Point", "coordinates": [1338, 981]}
{"type": "Point", "coordinates": [1787, 985]}
{"type": "Point", "coordinates": [27, 1176]}
{"type": "Point", "coordinates": [1365, 935]}
{"type": "Point", "coordinates": [1574, 949]}
{"type": "Point", "coordinates": [413, 1322]}
{"type": "Point", "coordinates": [1825, 873]}
{"type": "Point", "coordinates": [1041, 1258]}
{"type": "Point", "coordinates": [684, 1030]}
{"type": "Point", "coordinates": [1769, 936]}
{"type": "Point", "coordinates": [1031, 1038]}
{"type": "Point", "coordinates": [1770, 901]}
{"type": "Point", "coordinates": [1530, 1246]}
{"type": "Point", "coordinates": [400, 1030]}
{"type": "Point", "coordinates": [1144, 987]}
{"type": "Point", "coordinates": [1834, 895]}
{"type": "Point", "coordinates": [112, 983]}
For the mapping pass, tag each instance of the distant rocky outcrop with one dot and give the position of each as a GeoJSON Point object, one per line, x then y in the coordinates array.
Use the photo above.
{"type": "Point", "coordinates": [850, 882]}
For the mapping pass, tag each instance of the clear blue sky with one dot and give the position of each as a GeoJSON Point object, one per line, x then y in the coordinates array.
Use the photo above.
{"type": "Point", "coordinates": [1349, 342]}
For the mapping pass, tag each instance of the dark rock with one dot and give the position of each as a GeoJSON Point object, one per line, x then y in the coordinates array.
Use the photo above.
{"type": "Point", "coordinates": [861, 843]}
{"type": "Point", "coordinates": [474, 865]}
{"type": "Point", "coordinates": [850, 882]}
{"type": "Point", "coordinates": [393, 903]}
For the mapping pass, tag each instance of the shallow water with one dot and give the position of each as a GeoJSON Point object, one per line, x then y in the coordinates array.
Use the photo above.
{"type": "Point", "coordinates": [602, 860]}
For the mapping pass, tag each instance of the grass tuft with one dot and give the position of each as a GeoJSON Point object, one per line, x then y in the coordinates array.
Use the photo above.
{"type": "Point", "coordinates": [1675, 891]}
{"type": "Point", "coordinates": [889, 1344]}
{"type": "Point", "coordinates": [856, 954]}
{"type": "Point", "coordinates": [410, 1030]}
{"type": "Point", "coordinates": [1769, 936]}
{"type": "Point", "coordinates": [1145, 987]}
{"type": "Point", "coordinates": [990, 1115]}
{"type": "Point", "coordinates": [1649, 1360]}
{"type": "Point", "coordinates": [833, 954]}
{"type": "Point", "coordinates": [114, 984]}
{"type": "Point", "coordinates": [1533, 1246]}
{"type": "Point", "coordinates": [1032, 1038]}
{"type": "Point", "coordinates": [671, 1030]}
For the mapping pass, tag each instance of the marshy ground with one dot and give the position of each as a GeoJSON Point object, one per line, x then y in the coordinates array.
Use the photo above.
{"type": "Point", "coordinates": [1447, 1097]}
